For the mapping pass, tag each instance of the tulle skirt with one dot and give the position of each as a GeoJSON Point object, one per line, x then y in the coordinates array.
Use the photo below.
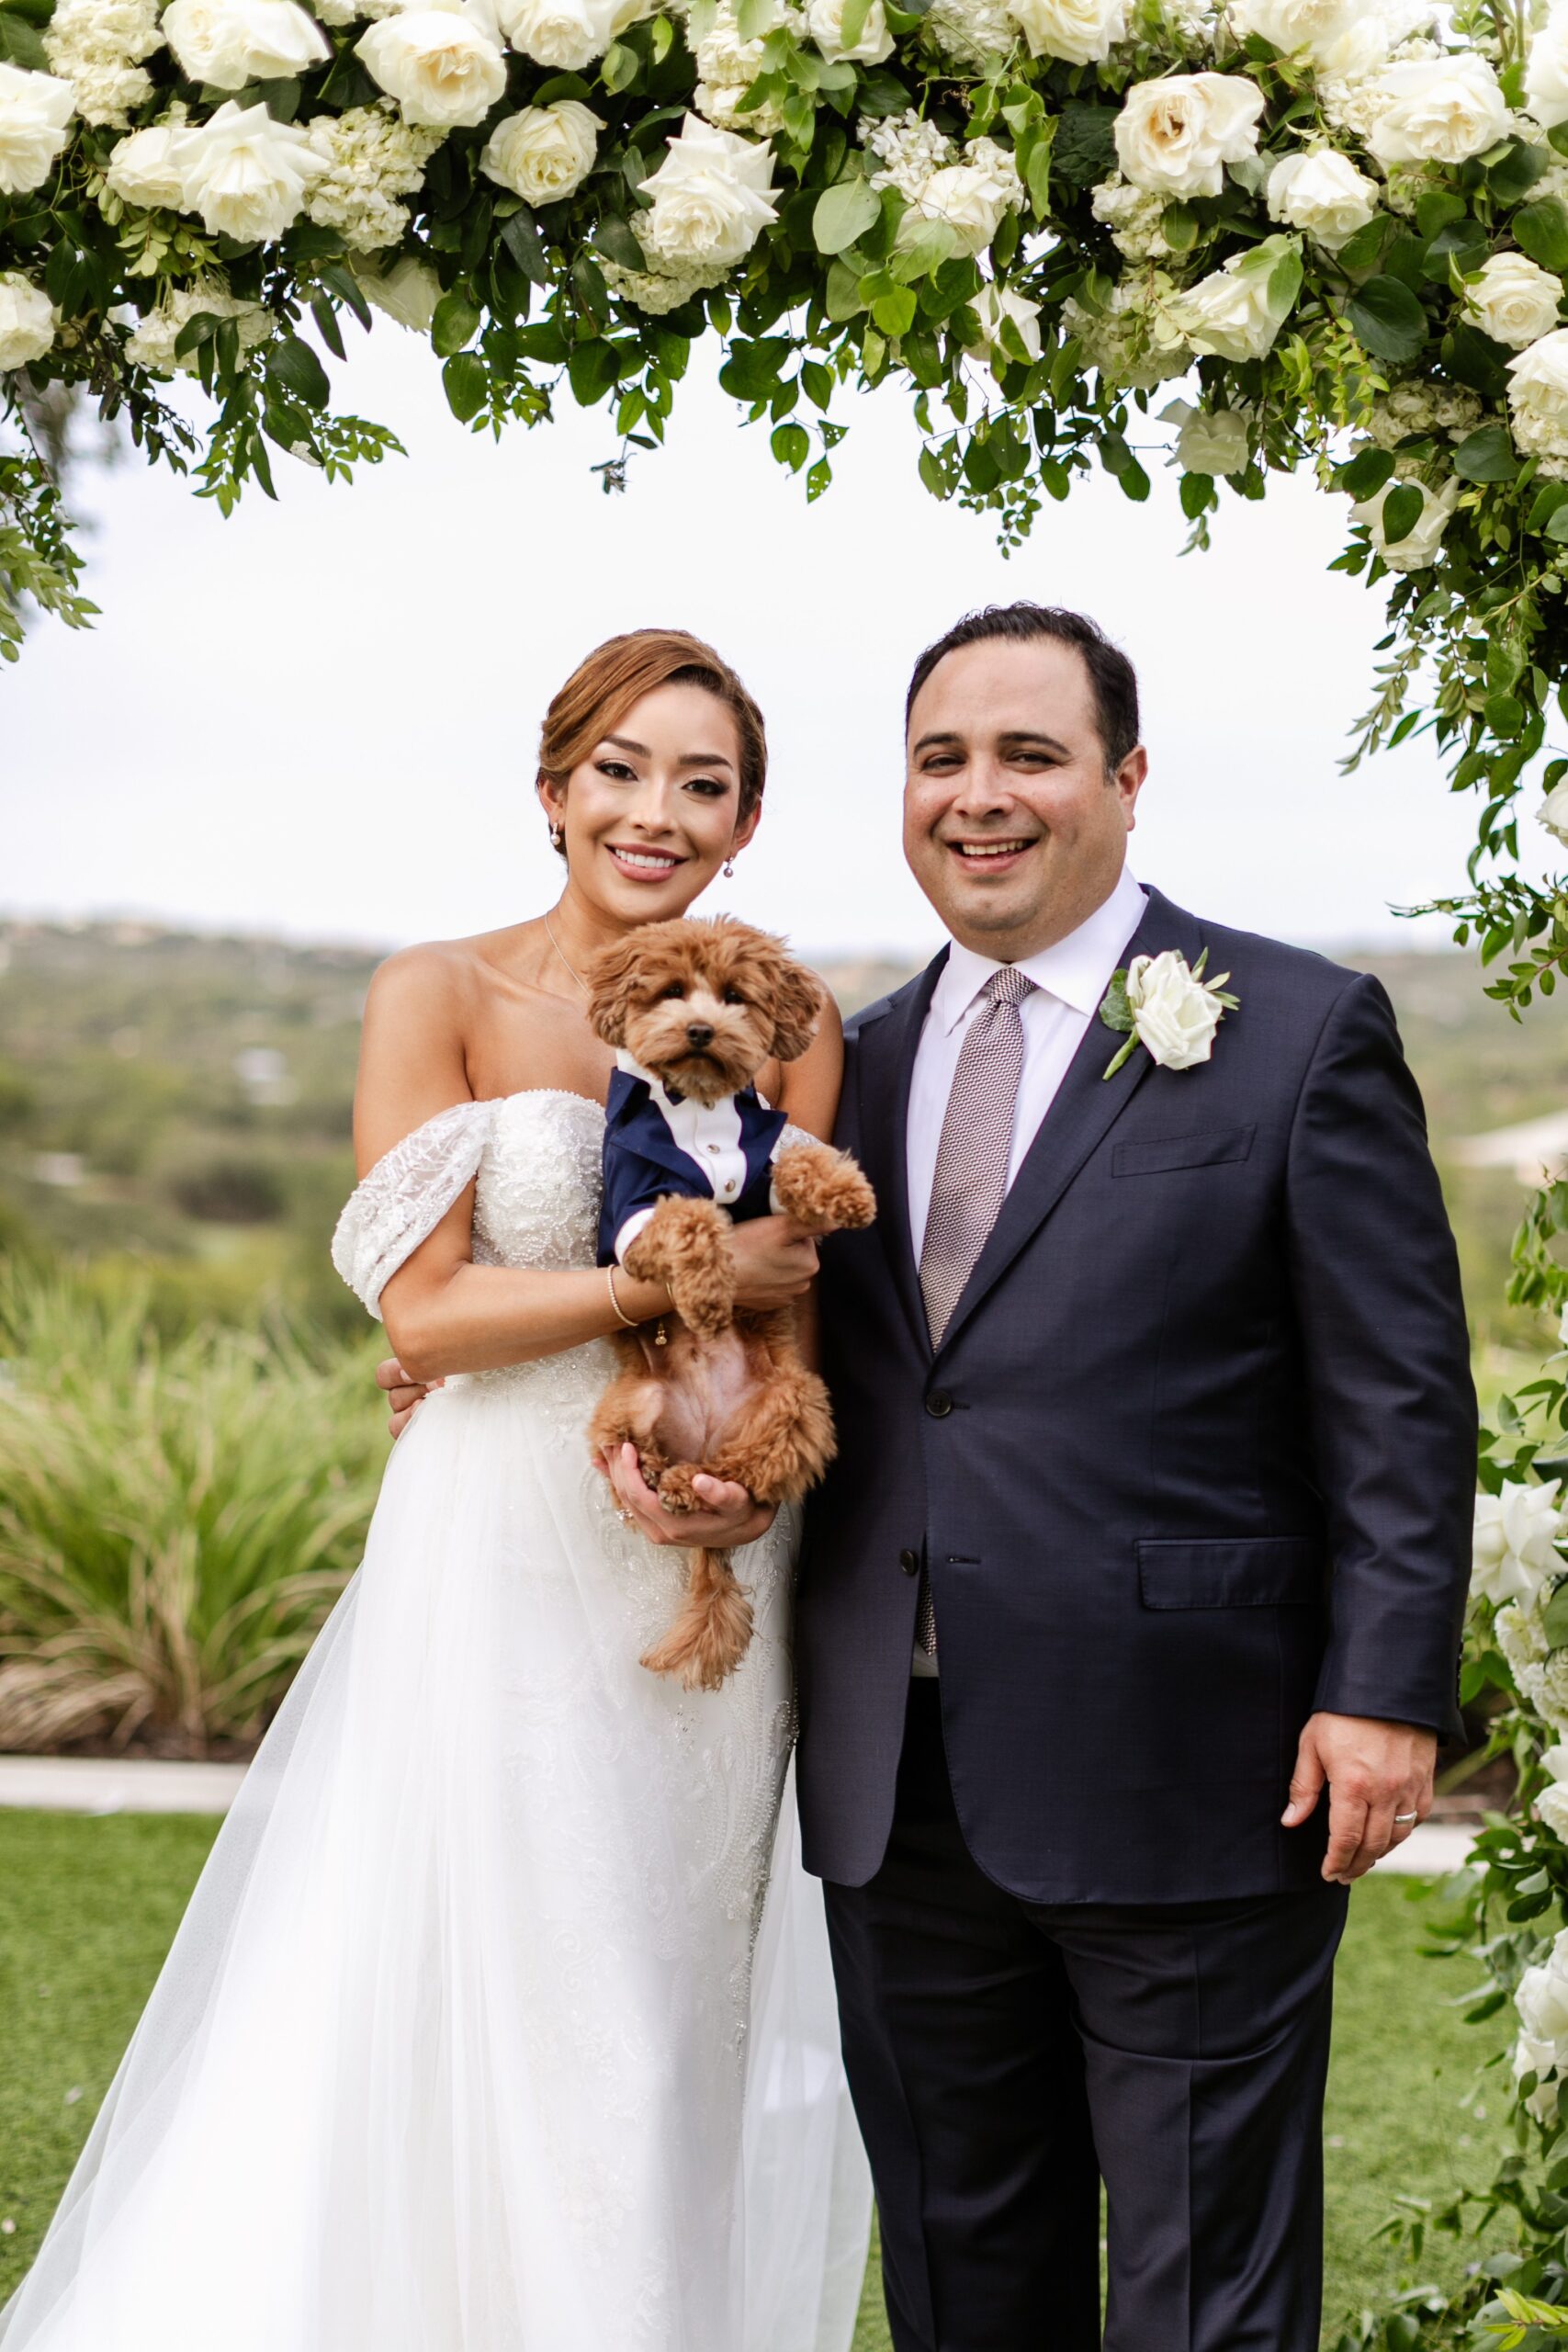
{"type": "Point", "coordinates": [479, 2034]}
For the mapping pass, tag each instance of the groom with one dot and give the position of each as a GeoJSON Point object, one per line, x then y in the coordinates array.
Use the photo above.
{"type": "Point", "coordinates": [1129, 1612]}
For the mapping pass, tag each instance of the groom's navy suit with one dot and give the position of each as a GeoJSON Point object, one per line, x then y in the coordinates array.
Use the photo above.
{"type": "Point", "coordinates": [1194, 1458]}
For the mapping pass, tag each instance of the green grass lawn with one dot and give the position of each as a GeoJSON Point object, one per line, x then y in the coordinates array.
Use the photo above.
{"type": "Point", "coordinates": [87, 1909]}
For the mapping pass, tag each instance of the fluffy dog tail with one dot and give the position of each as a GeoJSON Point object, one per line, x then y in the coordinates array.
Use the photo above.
{"type": "Point", "coordinates": [713, 1631]}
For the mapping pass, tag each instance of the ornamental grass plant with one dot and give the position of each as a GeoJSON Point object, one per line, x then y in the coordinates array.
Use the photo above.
{"type": "Point", "coordinates": [177, 1518]}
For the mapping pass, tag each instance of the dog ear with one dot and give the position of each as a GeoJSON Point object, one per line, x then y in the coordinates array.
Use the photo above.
{"type": "Point", "coordinates": [610, 975]}
{"type": "Point", "coordinates": [798, 999]}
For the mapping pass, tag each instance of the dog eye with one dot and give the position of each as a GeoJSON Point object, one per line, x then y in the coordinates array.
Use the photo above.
{"type": "Point", "coordinates": [733, 996]}
{"type": "Point", "coordinates": [676, 988]}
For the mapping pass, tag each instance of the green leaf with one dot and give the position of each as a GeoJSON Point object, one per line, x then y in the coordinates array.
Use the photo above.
{"type": "Point", "coordinates": [327, 326]}
{"type": "Point", "coordinates": [1486, 454]}
{"type": "Point", "coordinates": [843, 213]}
{"type": "Point", "coordinates": [1402, 509]}
{"type": "Point", "coordinates": [1516, 172]}
{"type": "Point", "coordinates": [346, 286]}
{"type": "Point", "coordinates": [1115, 1010]}
{"type": "Point", "coordinates": [1179, 226]}
{"type": "Point", "coordinates": [522, 241]}
{"type": "Point", "coordinates": [791, 446]}
{"type": "Point", "coordinates": [294, 364]}
{"type": "Point", "coordinates": [1388, 318]}
{"type": "Point", "coordinates": [1085, 150]}
{"type": "Point", "coordinates": [1554, 1617]}
{"type": "Point", "coordinates": [894, 311]}
{"type": "Point", "coordinates": [853, 22]}
{"type": "Point", "coordinates": [592, 370]}
{"type": "Point", "coordinates": [1475, 361]}
{"type": "Point", "coordinates": [467, 385]}
{"type": "Point", "coordinates": [1365, 249]}
{"type": "Point", "coordinates": [1540, 230]}
{"type": "Point", "coordinates": [1438, 209]}
{"type": "Point", "coordinates": [1197, 494]}
{"type": "Point", "coordinates": [456, 322]}
{"type": "Point", "coordinates": [621, 66]}
{"type": "Point", "coordinates": [617, 239]}
{"type": "Point", "coordinates": [19, 45]}
{"type": "Point", "coordinates": [1365, 474]}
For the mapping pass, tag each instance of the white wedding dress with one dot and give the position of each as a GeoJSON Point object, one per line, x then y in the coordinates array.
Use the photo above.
{"type": "Point", "coordinates": [479, 2035]}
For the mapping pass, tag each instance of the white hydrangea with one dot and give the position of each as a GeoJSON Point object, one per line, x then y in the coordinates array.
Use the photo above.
{"type": "Point", "coordinates": [1185, 28]}
{"type": "Point", "coordinates": [1135, 216]}
{"type": "Point", "coordinates": [1519, 1636]}
{"type": "Point", "coordinates": [657, 291]}
{"type": "Point", "coordinates": [1418, 407]}
{"type": "Point", "coordinates": [911, 151]}
{"type": "Point", "coordinates": [97, 46]}
{"type": "Point", "coordinates": [153, 344]}
{"type": "Point", "coordinates": [372, 158]}
{"type": "Point", "coordinates": [1129, 342]}
{"type": "Point", "coordinates": [720, 104]}
{"type": "Point", "coordinates": [727, 66]}
{"type": "Point", "coordinates": [965, 32]}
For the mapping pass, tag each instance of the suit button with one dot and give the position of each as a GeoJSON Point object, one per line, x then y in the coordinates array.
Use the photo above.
{"type": "Point", "coordinates": [939, 1403]}
{"type": "Point", "coordinates": [910, 1563]}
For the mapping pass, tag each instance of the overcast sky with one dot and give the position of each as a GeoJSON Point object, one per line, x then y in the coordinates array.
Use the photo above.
{"type": "Point", "coordinates": [319, 717]}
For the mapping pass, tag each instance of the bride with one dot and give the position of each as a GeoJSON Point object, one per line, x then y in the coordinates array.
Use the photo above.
{"type": "Point", "coordinates": [501, 2019]}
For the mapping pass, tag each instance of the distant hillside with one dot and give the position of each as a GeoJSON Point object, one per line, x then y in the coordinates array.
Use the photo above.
{"type": "Point", "coordinates": [183, 1102]}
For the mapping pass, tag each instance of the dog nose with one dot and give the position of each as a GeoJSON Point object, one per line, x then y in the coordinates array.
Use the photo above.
{"type": "Point", "coordinates": [700, 1034]}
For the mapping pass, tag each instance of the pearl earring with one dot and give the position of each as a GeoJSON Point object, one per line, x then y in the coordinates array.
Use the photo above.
{"type": "Point", "coordinates": [558, 835]}
{"type": "Point", "coordinates": [729, 869]}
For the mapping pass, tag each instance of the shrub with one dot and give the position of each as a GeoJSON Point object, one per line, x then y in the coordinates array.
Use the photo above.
{"type": "Point", "coordinates": [177, 1517]}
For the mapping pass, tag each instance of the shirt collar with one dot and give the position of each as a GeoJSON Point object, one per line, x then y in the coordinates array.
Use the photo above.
{"type": "Point", "coordinates": [1075, 970]}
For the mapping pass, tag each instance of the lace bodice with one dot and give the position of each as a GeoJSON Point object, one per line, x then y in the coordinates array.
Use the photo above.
{"type": "Point", "coordinates": [537, 1158]}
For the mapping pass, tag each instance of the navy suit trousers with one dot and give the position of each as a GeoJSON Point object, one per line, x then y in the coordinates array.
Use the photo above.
{"type": "Point", "coordinates": [1005, 2055]}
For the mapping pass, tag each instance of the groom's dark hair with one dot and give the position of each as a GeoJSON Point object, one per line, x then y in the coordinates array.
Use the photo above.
{"type": "Point", "coordinates": [1111, 676]}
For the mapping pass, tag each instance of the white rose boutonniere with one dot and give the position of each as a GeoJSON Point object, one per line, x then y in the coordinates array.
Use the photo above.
{"type": "Point", "coordinates": [1167, 1007]}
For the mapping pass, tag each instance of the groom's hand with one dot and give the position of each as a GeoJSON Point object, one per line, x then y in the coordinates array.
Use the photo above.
{"type": "Point", "coordinates": [403, 1392]}
{"type": "Point", "coordinates": [1375, 1771]}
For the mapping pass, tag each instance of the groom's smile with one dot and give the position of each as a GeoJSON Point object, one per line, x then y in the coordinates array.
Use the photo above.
{"type": "Point", "coordinates": [1015, 817]}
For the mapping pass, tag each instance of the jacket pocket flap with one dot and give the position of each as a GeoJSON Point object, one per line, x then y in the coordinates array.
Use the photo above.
{"type": "Point", "coordinates": [1230, 1572]}
{"type": "Point", "coordinates": [1207, 1150]}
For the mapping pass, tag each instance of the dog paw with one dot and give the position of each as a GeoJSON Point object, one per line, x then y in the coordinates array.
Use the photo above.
{"type": "Point", "coordinates": [823, 1189]}
{"type": "Point", "coordinates": [705, 1305]}
{"type": "Point", "coordinates": [677, 1488]}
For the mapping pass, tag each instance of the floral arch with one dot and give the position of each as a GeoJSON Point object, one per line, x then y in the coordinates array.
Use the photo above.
{"type": "Point", "coordinates": [1344, 224]}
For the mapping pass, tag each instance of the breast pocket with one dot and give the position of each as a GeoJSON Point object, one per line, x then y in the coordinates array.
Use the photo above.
{"type": "Point", "coordinates": [1210, 1149]}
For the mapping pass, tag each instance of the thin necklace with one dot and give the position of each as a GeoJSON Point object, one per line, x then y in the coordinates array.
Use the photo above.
{"type": "Point", "coordinates": [576, 975]}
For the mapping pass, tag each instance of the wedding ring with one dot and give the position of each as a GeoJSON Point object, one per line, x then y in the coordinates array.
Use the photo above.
{"type": "Point", "coordinates": [1402, 1820]}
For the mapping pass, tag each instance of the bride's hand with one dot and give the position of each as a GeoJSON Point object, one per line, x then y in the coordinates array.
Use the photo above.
{"type": "Point", "coordinates": [403, 1393]}
{"type": "Point", "coordinates": [776, 1261]}
{"type": "Point", "coordinates": [732, 1517]}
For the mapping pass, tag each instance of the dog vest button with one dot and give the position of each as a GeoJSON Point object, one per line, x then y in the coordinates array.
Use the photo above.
{"type": "Point", "coordinates": [910, 1563]}
{"type": "Point", "coordinates": [939, 1403]}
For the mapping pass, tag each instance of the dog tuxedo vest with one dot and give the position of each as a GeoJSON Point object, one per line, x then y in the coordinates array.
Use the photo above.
{"type": "Point", "coordinates": [659, 1142]}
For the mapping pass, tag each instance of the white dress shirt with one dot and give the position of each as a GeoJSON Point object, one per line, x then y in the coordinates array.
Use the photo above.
{"type": "Point", "coordinates": [1070, 981]}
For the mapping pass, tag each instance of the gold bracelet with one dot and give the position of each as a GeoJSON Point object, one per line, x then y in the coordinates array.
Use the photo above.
{"type": "Point", "coordinates": [627, 1323]}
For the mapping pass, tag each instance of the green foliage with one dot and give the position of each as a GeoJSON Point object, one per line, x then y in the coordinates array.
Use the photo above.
{"type": "Point", "coordinates": [176, 1519]}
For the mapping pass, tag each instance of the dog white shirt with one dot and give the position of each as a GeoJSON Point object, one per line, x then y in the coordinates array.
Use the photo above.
{"type": "Point", "coordinates": [1070, 981]}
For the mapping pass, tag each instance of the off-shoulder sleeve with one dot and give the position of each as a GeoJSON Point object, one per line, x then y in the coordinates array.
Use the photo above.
{"type": "Point", "coordinates": [404, 1197]}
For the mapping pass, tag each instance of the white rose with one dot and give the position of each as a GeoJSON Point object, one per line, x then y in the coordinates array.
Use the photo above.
{"type": "Point", "coordinates": [1537, 395]}
{"type": "Point", "coordinates": [35, 118]}
{"type": "Point", "coordinates": [1542, 1997]}
{"type": "Point", "coordinates": [1174, 1015]}
{"type": "Point", "coordinates": [824, 23]}
{"type": "Point", "coordinates": [230, 42]}
{"type": "Point", "coordinates": [1081, 32]}
{"type": "Point", "coordinates": [1546, 74]}
{"type": "Point", "coordinates": [1177, 135]}
{"type": "Point", "coordinates": [564, 34]}
{"type": "Point", "coordinates": [1514, 1547]}
{"type": "Point", "coordinates": [27, 321]}
{"type": "Point", "coordinates": [407, 292]}
{"type": "Point", "coordinates": [440, 64]}
{"type": "Point", "coordinates": [1236, 313]}
{"type": "Point", "coordinates": [1513, 299]}
{"type": "Point", "coordinates": [1553, 814]}
{"type": "Point", "coordinates": [1438, 110]}
{"type": "Point", "coordinates": [1323, 194]}
{"type": "Point", "coordinates": [246, 174]}
{"type": "Point", "coordinates": [997, 307]}
{"type": "Point", "coordinates": [545, 153]}
{"type": "Point", "coordinates": [1555, 1761]}
{"type": "Point", "coordinates": [1210, 441]}
{"type": "Point", "coordinates": [1552, 1806]}
{"type": "Point", "coordinates": [1539, 2058]}
{"type": "Point", "coordinates": [973, 196]}
{"type": "Point", "coordinates": [1289, 26]}
{"type": "Point", "coordinates": [1419, 546]}
{"type": "Point", "coordinates": [713, 197]}
{"type": "Point", "coordinates": [146, 168]}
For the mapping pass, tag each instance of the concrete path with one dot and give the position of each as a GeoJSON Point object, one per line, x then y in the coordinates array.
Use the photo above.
{"type": "Point", "coordinates": [95, 1784]}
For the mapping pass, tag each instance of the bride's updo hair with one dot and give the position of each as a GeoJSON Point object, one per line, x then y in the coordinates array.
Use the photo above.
{"type": "Point", "coordinates": [617, 674]}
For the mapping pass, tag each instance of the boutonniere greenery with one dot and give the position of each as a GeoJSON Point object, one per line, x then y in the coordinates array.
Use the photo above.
{"type": "Point", "coordinates": [1171, 1011]}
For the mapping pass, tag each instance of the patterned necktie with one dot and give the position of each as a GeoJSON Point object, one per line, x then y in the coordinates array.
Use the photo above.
{"type": "Point", "coordinates": [971, 1180]}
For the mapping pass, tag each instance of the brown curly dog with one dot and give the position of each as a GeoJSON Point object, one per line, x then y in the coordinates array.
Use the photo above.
{"type": "Point", "coordinates": [698, 1008]}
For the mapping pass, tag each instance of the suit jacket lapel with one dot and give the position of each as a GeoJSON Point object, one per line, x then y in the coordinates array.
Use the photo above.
{"type": "Point", "coordinates": [884, 1053]}
{"type": "Point", "coordinates": [1085, 1107]}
